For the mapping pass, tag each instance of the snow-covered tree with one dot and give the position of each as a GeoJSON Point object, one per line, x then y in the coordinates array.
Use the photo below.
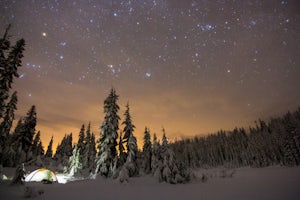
{"type": "Point", "coordinates": [81, 139]}
{"type": "Point", "coordinates": [131, 161]}
{"type": "Point", "coordinates": [89, 150]}
{"type": "Point", "coordinates": [131, 144]}
{"type": "Point", "coordinates": [164, 163]}
{"type": "Point", "coordinates": [10, 61]}
{"type": "Point", "coordinates": [128, 125]}
{"type": "Point", "coordinates": [147, 151]}
{"type": "Point", "coordinates": [122, 153]}
{"type": "Point", "coordinates": [49, 152]}
{"type": "Point", "coordinates": [155, 157]}
{"type": "Point", "coordinates": [86, 151]}
{"type": "Point", "coordinates": [6, 124]}
{"type": "Point", "coordinates": [170, 172]}
{"type": "Point", "coordinates": [22, 137]}
{"type": "Point", "coordinates": [108, 136]}
{"type": "Point", "coordinates": [9, 156]}
{"type": "Point", "coordinates": [64, 150]}
{"type": "Point", "coordinates": [75, 165]}
{"type": "Point", "coordinates": [93, 150]}
{"type": "Point", "coordinates": [29, 129]}
{"type": "Point", "coordinates": [37, 147]}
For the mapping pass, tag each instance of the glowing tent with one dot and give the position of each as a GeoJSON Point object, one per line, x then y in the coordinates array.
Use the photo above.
{"type": "Point", "coordinates": [42, 175]}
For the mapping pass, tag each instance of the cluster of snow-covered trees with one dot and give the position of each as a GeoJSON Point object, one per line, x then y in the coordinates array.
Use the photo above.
{"type": "Point", "coordinates": [156, 159]}
{"type": "Point", "coordinates": [24, 143]}
{"type": "Point", "coordinates": [276, 142]}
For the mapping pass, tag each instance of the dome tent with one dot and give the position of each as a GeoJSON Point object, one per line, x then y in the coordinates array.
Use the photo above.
{"type": "Point", "coordinates": [42, 175]}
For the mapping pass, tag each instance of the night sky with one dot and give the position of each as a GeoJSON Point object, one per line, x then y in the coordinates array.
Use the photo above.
{"type": "Point", "coordinates": [192, 66]}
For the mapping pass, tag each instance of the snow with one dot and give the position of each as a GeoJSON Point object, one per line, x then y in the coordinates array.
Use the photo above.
{"type": "Point", "coordinates": [244, 183]}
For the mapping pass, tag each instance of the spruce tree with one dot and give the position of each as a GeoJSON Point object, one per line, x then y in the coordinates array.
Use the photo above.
{"type": "Point", "coordinates": [147, 154]}
{"type": "Point", "coordinates": [122, 153]}
{"type": "Point", "coordinates": [40, 149]}
{"type": "Point", "coordinates": [128, 126]}
{"type": "Point", "coordinates": [93, 151]}
{"type": "Point", "coordinates": [131, 161]}
{"type": "Point", "coordinates": [10, 61]}
{"type": "Point", "coordinates": [131, 144]}
{"type": "Point", "coordinates": [6, 124]}
{"type": "Point", "coordinates": [81, 140]}
{"type": "Point", "coordinates": [171, 172]}
{"type": "Point", "coordinates": [29, 129]}
{"type": "Point", "coordinates": [164, 144]}
{"type": "Point", "coordinates": [156, 164]}
{"type": "Point", "coordinates": [23, 134]}
{"type": "Point", "coordinates": [9, 116]}
{"type": "Point", "coordinates": [49, 152]}
{"type": "Point", "coordinates": [35, 144]}
{"type": "Point", "coordinates": [75, 166]}
{"type": "Point", "coordinates": [87, 148]}
{"type": "Point", "coordinates": [90, 149]}
{"type": "Point", "coordinates": [64, 150]}
{"type": "Point", "coordinates": [108, 136]}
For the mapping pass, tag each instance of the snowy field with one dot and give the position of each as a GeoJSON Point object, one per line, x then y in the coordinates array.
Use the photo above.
{"type": "Point", "coordinates": [244, 183]}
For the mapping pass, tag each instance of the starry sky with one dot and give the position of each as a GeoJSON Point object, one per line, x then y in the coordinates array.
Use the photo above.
{"type": "Point", "coordinates": [192, 66]}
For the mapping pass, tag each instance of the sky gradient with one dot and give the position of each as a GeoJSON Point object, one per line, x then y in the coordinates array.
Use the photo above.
{"type": "Point", "coordinates": [193, 66]}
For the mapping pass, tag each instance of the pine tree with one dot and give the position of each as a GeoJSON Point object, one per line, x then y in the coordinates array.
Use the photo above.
{"type": "Point", "coordinates": [16, 135]}
{"type": "Point", "coordinates": [164, 144]}
{"type": "Point", "coordinates": [90, 149]}
{"type": "Point", "coordinates": [87, 149]}
{"type": "Point", "coordinates": [35, 144]}
{"type": "Point", "coordinates": [122, 154]}
{"type": "Point", "coordinates": [156, 158]}
{"type": "Point", "coordinates": [131, 161]}
{"type": "Point", "coordinates": [131, 144]}
{"type": "Point", "coordinates": [81, 140]}
{"type": "Point", "coordinates": [6, 124]}
{"type": "Point", "coordinates": [22, 137]}
{"type": "Point", "coordinates": [64, 150]}
{"type": "Point", "coordinates": [93, 151]}
{"type": "Point", "coordinates": [40, 149]}
{"type": "Point", "coordinates": [170, 171]}
{"type": "Point", "coordinates": [49, 152]}
{"type": "Point", "coordinates": [129, 127]}
{"type": "Point", "coordinates": [10, 61]}
{"type": "Point", "coordinates": [147, 154]}
{"type": "Point", "coordinates": [29, 129]}
{"type": "Point", "coordinates": [75, 165]}
{"type": "Point", "coordinates": [108, 136]}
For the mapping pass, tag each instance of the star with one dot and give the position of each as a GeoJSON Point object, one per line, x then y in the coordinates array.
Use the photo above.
{"type": "Point", "coordinates": [148, 74]}
{"type": "Point", "coordinates": [177, 51]}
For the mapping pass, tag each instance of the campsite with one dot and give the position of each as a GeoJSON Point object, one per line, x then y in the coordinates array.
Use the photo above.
{"type": "Point", "coordinates": [150, 99]}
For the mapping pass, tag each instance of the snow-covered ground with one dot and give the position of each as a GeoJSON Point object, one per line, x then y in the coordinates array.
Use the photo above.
{"type": "Point", "coordinates": [244, 183]}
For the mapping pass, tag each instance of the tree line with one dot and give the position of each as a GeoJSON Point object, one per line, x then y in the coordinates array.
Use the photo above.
{"type": "Point", "coordinates": [274, 143]}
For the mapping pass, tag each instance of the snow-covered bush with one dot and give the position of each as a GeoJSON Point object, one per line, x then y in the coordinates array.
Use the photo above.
{"type": "Point", "coordinates": [124, 174]}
